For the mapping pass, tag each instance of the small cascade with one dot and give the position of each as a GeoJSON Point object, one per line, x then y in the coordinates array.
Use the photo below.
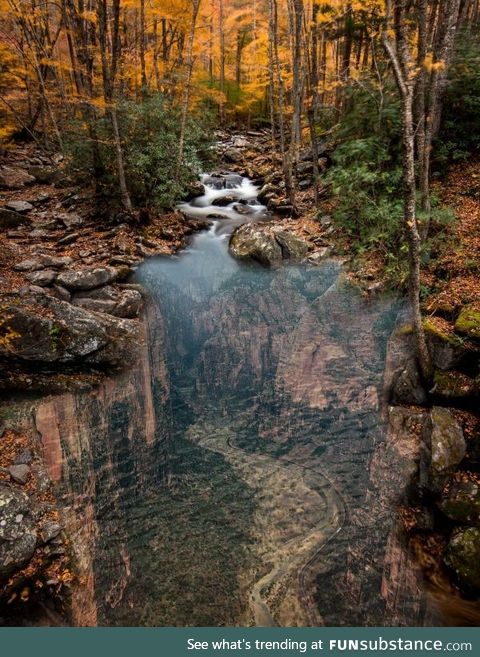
{"type": "Point", "coordinates": [229, 201]}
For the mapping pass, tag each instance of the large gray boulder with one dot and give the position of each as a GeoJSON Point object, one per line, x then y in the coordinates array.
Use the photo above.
{"type": "Point", "coordinates": [251, 242]}
{"type": "Point", "coordinates": [18, 536]}
{"type": "Point", "coordinates": [48, 330]}
{"type": "Point", "coordinates": [87, 279]}
{"type": "Point", "coordinates": [463, 556]}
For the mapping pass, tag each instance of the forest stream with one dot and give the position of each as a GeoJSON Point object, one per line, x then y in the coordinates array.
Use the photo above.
{"type": "Point", "coordinates": [241, 471]}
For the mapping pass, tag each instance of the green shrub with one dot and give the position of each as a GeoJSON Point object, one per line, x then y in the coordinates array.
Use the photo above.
{"type": "Point", "coordinates": [366, 176]}
{"type": "Point", "coordinates": [149, 131]}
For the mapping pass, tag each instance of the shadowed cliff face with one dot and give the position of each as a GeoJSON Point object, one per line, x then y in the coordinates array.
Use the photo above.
{"type": "Point", "coordinates": [241, 473]}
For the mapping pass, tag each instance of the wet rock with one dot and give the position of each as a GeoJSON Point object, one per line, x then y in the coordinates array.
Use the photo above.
{"type": "Point", "coordinates": [407, 386]}
{"type": "Point", "coordinates": [11, 219]}
{"type": "Point", "coordinates": [293, 247]}
{"type": "Point", "coordinates": [105, 293]}
{"type": "Point", "coordinates": [19, 206]}
{"type": "Point", "coordinates": [135, 286]}
{"type": "Point", "coordinates": [249, 241]}
{"type": "Point", "coordinates": [194, 190]}
{"type": "Point", "coordinates": [42, 278]}
{"type": "Point", "coordinates": [18, 536]}
{"type": "Point", "coordinates": [129, 305]}
{"type": "Point", "coordinates": [285, 210]}
{"type": "Point", "coordinates": [461, 500]}
{"type": "Point", "coordinates": [87, 279]}
{"type": "Point", "coordinates": [68, 239]}
{"type": "Point", "coordinates": [233, 181]}
{"type": "Point", "coordinates": [463, 556]}
{"type": "Point", "coordinates": [19, 473]}
{"type": "Point", "coordinates": [243, 209]}
{"type": "Point", "coordinates": [12, 178]}
{"type": "Point", "coordinates": [216, 182]}
{"type": "Point", "coordinates": [224, 201]}
{"type": "Point", "coordinates": [24, 458]}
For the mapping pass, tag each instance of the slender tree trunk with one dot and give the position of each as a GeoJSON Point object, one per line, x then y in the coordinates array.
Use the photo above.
{"type": "Point", "coordinates": [400, 58]}
{"type": "Point", "coordinates": [186, 87]}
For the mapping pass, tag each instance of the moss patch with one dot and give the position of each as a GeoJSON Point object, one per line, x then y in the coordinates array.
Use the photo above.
{"type": "Point", "coordinates": [468, 323]}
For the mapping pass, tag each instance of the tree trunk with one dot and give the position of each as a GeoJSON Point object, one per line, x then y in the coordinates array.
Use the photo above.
{"type": "Point", "coordinates": [186, 88]}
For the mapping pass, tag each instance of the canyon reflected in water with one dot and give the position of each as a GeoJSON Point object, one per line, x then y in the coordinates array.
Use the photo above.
{"type": "Point", "coordinates": [240, 475]}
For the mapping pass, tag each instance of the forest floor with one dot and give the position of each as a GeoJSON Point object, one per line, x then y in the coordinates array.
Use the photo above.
{"type": "Point", "coordinates": [64, 221]}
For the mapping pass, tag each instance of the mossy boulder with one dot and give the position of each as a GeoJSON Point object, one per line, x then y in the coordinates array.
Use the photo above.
{"type": "Point", "coordinates": [446, 348]}
{"type": "Point", "coordinates": [468, 323]}
{"type": "Point", "coordinates": [461, 500]}
{"type": "Point", "coordinates": [254, 242]}
{"type": "Point", "coordinates": [445, 449]}
{"type": "Point", "coordinates": [454, 385]}
{"type": "Point", "coordinates": [463, 556]}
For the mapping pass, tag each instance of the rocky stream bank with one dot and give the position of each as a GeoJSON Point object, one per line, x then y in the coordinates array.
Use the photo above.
{"type": "Point", "coordinates": [70, 318]}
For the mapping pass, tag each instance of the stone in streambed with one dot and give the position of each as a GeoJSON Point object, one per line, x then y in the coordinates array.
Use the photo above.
{"type": "Point", "coordinates": [249, 241]}
{"type": "Point", "coordinates": [224, 201]}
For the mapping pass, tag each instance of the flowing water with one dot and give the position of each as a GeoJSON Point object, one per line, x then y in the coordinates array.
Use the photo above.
{"type": "Point", "coordinates": [271, 516]}
{"type": "Point", "coordinates": [275, 502]}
